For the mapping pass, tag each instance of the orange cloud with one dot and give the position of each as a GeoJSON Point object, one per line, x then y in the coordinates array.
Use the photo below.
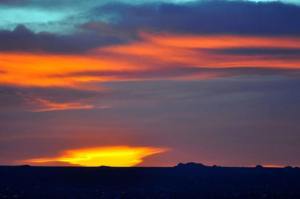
{"type": "Point", "coordinates": [154, 52]}
{"type": "Point", "coordinates": [190, 50]}
{"type": "Point", "coordinates": [36, 70]}
{"type": "Point", "coordinates": [221, 41]}
{"type": "Point", "coordinates": [50, 106]}
{"type": "Point", "coordinates": [119, 156]}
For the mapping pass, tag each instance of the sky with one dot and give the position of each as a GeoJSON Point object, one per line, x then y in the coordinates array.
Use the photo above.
{"type": "Point", "coordinates": [149, 83]}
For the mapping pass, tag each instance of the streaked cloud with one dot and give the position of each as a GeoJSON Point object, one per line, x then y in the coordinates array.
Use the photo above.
{"type": "Point", "coordinates": [157, 56]}
{"type": "Point", "coordinates": [39, 99]}
{"type": "Point", "coordinates": [50, 106]}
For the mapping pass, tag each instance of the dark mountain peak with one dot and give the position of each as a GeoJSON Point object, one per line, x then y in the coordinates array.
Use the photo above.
{"type": "Point", "coordinates": [104, 167]}
{"type": "Point", "coordinates": [259, 167]}
{"type": "Point", "coordinates": [24, 165]}
{"type": "Point", "coordinates": [288, 167]}
{"type": "Point", "coordinates": [191, 165]}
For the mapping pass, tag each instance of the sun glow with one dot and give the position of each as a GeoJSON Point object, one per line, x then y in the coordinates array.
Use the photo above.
{"type": "Point", "coordinates": [119, 156]}
{"type": "Point", "coordinates": [273, 166]}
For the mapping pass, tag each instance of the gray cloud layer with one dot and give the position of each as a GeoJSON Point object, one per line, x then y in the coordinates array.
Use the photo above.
{"type": "Point", "coordinates": [115, 23]}
{"type": "Point", "coordinates": [207, 17]}
{"type": "Point", "coordinates": [22, 39]}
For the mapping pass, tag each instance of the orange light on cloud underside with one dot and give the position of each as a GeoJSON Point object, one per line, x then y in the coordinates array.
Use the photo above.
{"type": "Point", "coordinates": [154, 52]}
{"type": "Point", "coordinates": [44, 69]}
{"type": "Point", "coordinates": [50, 106]}
{"type": "Point", "coordinates": [221, 41]}
{"type": "Point", "coordinates": [119, 156]}
{"type": "Point", "coordinates": [191, 51]}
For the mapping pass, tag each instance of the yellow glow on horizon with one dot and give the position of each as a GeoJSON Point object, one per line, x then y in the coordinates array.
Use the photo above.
{"type": "Point", "coordinates": [273, 166]}
{"type": "Point", "coordinates": [119, 156]}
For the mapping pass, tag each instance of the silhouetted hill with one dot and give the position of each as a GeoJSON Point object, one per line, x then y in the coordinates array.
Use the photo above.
{"type": "Point", "coordinates": [191, 165]}
{"type": "Point", "coordinates": [259, 167]}
{"type": "Point", "coordinates": [186, 181]}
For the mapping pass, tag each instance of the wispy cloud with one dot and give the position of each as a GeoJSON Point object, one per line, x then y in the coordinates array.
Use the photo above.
{"type": "Point", "coordinates": [51, 106]}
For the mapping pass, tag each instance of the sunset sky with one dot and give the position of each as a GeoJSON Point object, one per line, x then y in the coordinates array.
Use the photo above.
{"type": "Point", "coordinates": [149, 83]}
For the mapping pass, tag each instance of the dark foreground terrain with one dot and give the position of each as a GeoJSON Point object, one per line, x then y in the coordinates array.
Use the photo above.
{"type": "Point", "coordinates": [182, 181]}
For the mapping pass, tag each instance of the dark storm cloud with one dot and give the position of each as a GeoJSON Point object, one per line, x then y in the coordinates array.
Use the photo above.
{"type": "Point", "coordinates": [173, 72]}
{"type": "Point", "coordinates": [23, 39]}
{"type": "Point", "coordinates": [206, 17]}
